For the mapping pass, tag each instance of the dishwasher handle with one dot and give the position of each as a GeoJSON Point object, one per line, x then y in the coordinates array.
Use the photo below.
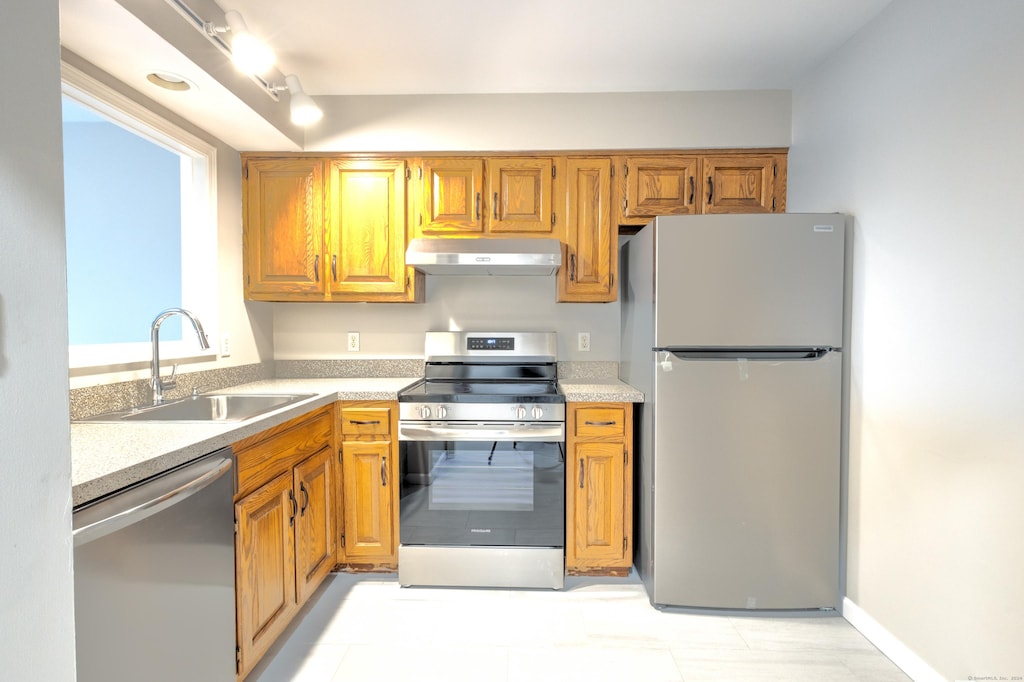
{"type": "Point", "coordinates": [149, 497]}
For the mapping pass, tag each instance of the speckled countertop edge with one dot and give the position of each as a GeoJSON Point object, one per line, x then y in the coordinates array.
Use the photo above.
{"type": "Point", "coordinates": [108, 457]}
{"type": "Point", "coordinates": [599, 391]}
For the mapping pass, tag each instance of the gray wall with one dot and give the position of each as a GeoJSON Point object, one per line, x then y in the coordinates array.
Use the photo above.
{"type": "Point", "coordinates": [36, 618]}
{"type": "Point", "coordinates": [914, 127]}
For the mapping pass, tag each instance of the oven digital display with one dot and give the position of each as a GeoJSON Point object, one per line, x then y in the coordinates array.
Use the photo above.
{"type": "Point", "coordinates": [491, 343]}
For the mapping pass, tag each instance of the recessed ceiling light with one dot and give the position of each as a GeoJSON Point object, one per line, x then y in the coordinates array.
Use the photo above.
{"type": "Point", "coordinates": [170, 81]}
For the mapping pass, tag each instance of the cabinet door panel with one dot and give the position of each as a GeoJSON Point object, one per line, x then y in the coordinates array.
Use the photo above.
{"type": "Point", "coordinates": [366, 219]}
{"type": "Point", "coordinates": [660, 185]}
{"type": "Point", "coordinates": [738, 184]}
{"type": "Point", "coordinates": [314, 525]}
{"type": "Point", "coordinates": [598, 522]}
{"type": "Point", "coordinates": [283, 236]}
{"type": "Point", "coordinates": [265, 567]}
{"type": "Point", "coordinates": [588, 273]}
{"type": "Point", "coordinates": [368, 478]}
{"type": "Point", "coordinates": [452, 196]}
{"type": "Point", "coordinates": [519, 192]}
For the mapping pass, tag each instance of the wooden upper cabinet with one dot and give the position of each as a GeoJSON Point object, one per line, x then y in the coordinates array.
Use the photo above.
{"type": "Point", "coordinates": [591, 243]}
{"type": "Point", "coordinates": [650, 186]}
{"type": "Point", "coordinates": [740, 184]}
{"type": "Point", "coordinates": [366, 231]}
{"type": "Point", "coordinates": [519, 196]}
{"type": "Point", "coordinates": [475, 196]}
{"type": "Point", "coordinates": [283, 235]}
{"type": "Point", "coordinates": [452, 196]}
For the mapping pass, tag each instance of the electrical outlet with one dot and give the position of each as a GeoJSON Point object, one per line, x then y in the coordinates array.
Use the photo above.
{"type": "Point", "coordinates": [584, 341]}
{"type": "Point", "coordinates": [353, 341]}
{"type": "Point", "coordinates": [225, 345]}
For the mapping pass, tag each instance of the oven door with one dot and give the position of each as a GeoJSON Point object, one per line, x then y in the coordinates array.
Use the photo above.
{"type": "Point", "coordinates": [482, 484]}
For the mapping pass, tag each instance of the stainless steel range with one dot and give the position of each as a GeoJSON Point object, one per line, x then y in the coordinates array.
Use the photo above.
{"type": "Point", "coordinates": [482, 458]}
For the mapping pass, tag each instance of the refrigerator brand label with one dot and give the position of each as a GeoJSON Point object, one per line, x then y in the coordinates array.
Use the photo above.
{"type": "Point", "coordinates": [824, 228]}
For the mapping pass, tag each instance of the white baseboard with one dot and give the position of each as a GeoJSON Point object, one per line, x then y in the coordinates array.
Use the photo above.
{"type": "Point", "coordinates": [895, 650]}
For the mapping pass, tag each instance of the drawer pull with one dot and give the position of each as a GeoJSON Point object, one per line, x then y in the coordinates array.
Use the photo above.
{"type": "Point", "coordinates": [590, 423]}
{"type": "Point", "coordinates": [363, 422]}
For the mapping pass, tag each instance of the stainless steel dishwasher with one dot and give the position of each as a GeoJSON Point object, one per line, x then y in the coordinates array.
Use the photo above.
{"type": "Point", "coordinates": [155, 578]}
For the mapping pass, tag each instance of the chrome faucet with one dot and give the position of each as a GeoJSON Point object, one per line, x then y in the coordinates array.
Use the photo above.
{"type": "Point", "coordinates": [157, 384]}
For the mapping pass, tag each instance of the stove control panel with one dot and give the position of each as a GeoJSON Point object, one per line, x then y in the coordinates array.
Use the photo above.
{"type": "Point", "coordinates": [491, 343]}
{"type": "Point", "coordinates": [482, 412]}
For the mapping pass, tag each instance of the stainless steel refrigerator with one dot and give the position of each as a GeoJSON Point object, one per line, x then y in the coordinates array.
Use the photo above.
{"type": "Point", "coordinates": [733, 329]}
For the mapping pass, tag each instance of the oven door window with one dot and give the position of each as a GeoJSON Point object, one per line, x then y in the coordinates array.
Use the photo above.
{"type": "Point", "coordinates": [483, 493]}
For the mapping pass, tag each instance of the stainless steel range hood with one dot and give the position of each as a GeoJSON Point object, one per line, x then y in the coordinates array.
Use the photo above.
{"type": "Point", "coordinates": [484, 256]}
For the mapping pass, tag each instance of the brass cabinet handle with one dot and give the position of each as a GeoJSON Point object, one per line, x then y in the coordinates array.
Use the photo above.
{"type": "Point", "coordinates": [305, 499]}
{"type": "Point", "coordinates": [384, 471]}
{"type": "Point", "coordinates": [581, 473]}
{"type": "Point", "coordinates": [590, 423]}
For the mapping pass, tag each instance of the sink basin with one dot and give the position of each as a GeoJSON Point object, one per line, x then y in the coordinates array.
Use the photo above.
{"type": "Point", "coordinates": [210, 407]}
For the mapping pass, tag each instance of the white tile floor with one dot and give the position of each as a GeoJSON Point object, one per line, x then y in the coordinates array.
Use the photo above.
{"type": "Point", "coordinates": [365, 627]}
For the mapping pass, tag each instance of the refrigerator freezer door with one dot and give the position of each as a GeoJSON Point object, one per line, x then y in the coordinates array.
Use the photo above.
{"type": "Point", "coordinates": [749, 280]}
{"type": "Point", "coordinates": [746, 469]}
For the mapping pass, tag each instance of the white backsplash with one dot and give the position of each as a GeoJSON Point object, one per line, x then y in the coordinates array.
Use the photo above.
{"type": "Point", "coordinates": [318, 330]}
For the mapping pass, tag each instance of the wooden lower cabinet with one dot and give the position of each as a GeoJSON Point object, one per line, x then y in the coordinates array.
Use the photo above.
{"type": "Point", "coordinates": [284, 527]}
{"type": "Point", "coordinates": [369, 456]}
{"type": "Point", "coordinates": [599, 489]}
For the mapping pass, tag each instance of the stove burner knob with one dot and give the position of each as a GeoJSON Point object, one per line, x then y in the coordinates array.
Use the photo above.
{"type": "Point", "coordinates": [442, 412]}
{"type": "Point", "coordinates": [537, 412]}
{"type": "Point", "coordinates": [520, 412]}
{"type": "Point", "coordinates": [424, 412]}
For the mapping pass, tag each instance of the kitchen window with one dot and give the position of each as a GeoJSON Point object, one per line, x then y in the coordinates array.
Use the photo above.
{"type": "Point", "coordinates": [141, 228]}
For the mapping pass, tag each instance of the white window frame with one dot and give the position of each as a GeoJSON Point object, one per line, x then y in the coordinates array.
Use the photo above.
{"type": "Point", "coordinates": [199, 279]}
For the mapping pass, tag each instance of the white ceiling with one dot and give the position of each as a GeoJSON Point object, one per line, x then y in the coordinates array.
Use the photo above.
{"type": "Point", "coordinates": [383, 47]}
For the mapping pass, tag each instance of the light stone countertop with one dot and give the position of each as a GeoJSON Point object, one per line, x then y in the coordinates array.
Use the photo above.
{"type": "Point", "coordinates": [108, 457]}
{"type": "Point", "coordinates": [599, 391]}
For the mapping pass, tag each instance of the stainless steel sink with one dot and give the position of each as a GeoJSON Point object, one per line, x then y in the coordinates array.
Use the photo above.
{"type": "Point", "coordinates": [210, 407]}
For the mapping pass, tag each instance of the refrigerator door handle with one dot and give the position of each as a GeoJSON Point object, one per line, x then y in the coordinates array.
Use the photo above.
{"type": "Point", "coordinates": [786, 354]}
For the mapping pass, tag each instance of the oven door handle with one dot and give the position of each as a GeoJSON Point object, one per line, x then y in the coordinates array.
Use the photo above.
{"type": "Point", "coordinates": [465, 431]}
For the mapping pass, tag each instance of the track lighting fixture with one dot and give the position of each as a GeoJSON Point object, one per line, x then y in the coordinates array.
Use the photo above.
{"type": "Point", "coordinates": [304, 111]}
{"type": "Point", "coordinates": [250, 54]}
{"type": "Point", "coordinates": [255, 58]}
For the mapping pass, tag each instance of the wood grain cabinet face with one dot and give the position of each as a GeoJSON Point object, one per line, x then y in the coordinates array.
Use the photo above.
{"type": "Point", "coordinates": [487, 196]}
{"type": "Point", "coordinates": [366, 234]}
{"type": "Point", "coordinates": [739, 184]}
{"type": "Point", "coordinates": [370, 474]}
{"type": "Point", "coordinates": [265, 568]}
{"type": "Point", "coordinates": [519, 196]}
{"type": "Point", "coordinates": [285, 513]}
{"type": "Point", "coordinates": [283, 235]}
{"type": "Point", "coordinates": [452, 196]}
{"type": "Point", "coordinates": [314, 523]}
{"type": "Point", "coordinates": [591, 243]}
{"type": "Point", "coordinates": [599, 485]}
{"type": "Point", "coordinates": [658, 185]}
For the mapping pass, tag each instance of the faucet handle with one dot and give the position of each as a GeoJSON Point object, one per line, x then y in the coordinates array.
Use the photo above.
{"type": "Point", "coordinates": [169, 382]}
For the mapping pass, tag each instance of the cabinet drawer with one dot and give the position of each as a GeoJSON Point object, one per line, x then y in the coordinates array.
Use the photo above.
{"type": "Point", "coordinates": [278, 449]}
{"type": "Point", "coordinates": [600, 421]}
{"type": "Point", "coordinates": [365, 421]}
